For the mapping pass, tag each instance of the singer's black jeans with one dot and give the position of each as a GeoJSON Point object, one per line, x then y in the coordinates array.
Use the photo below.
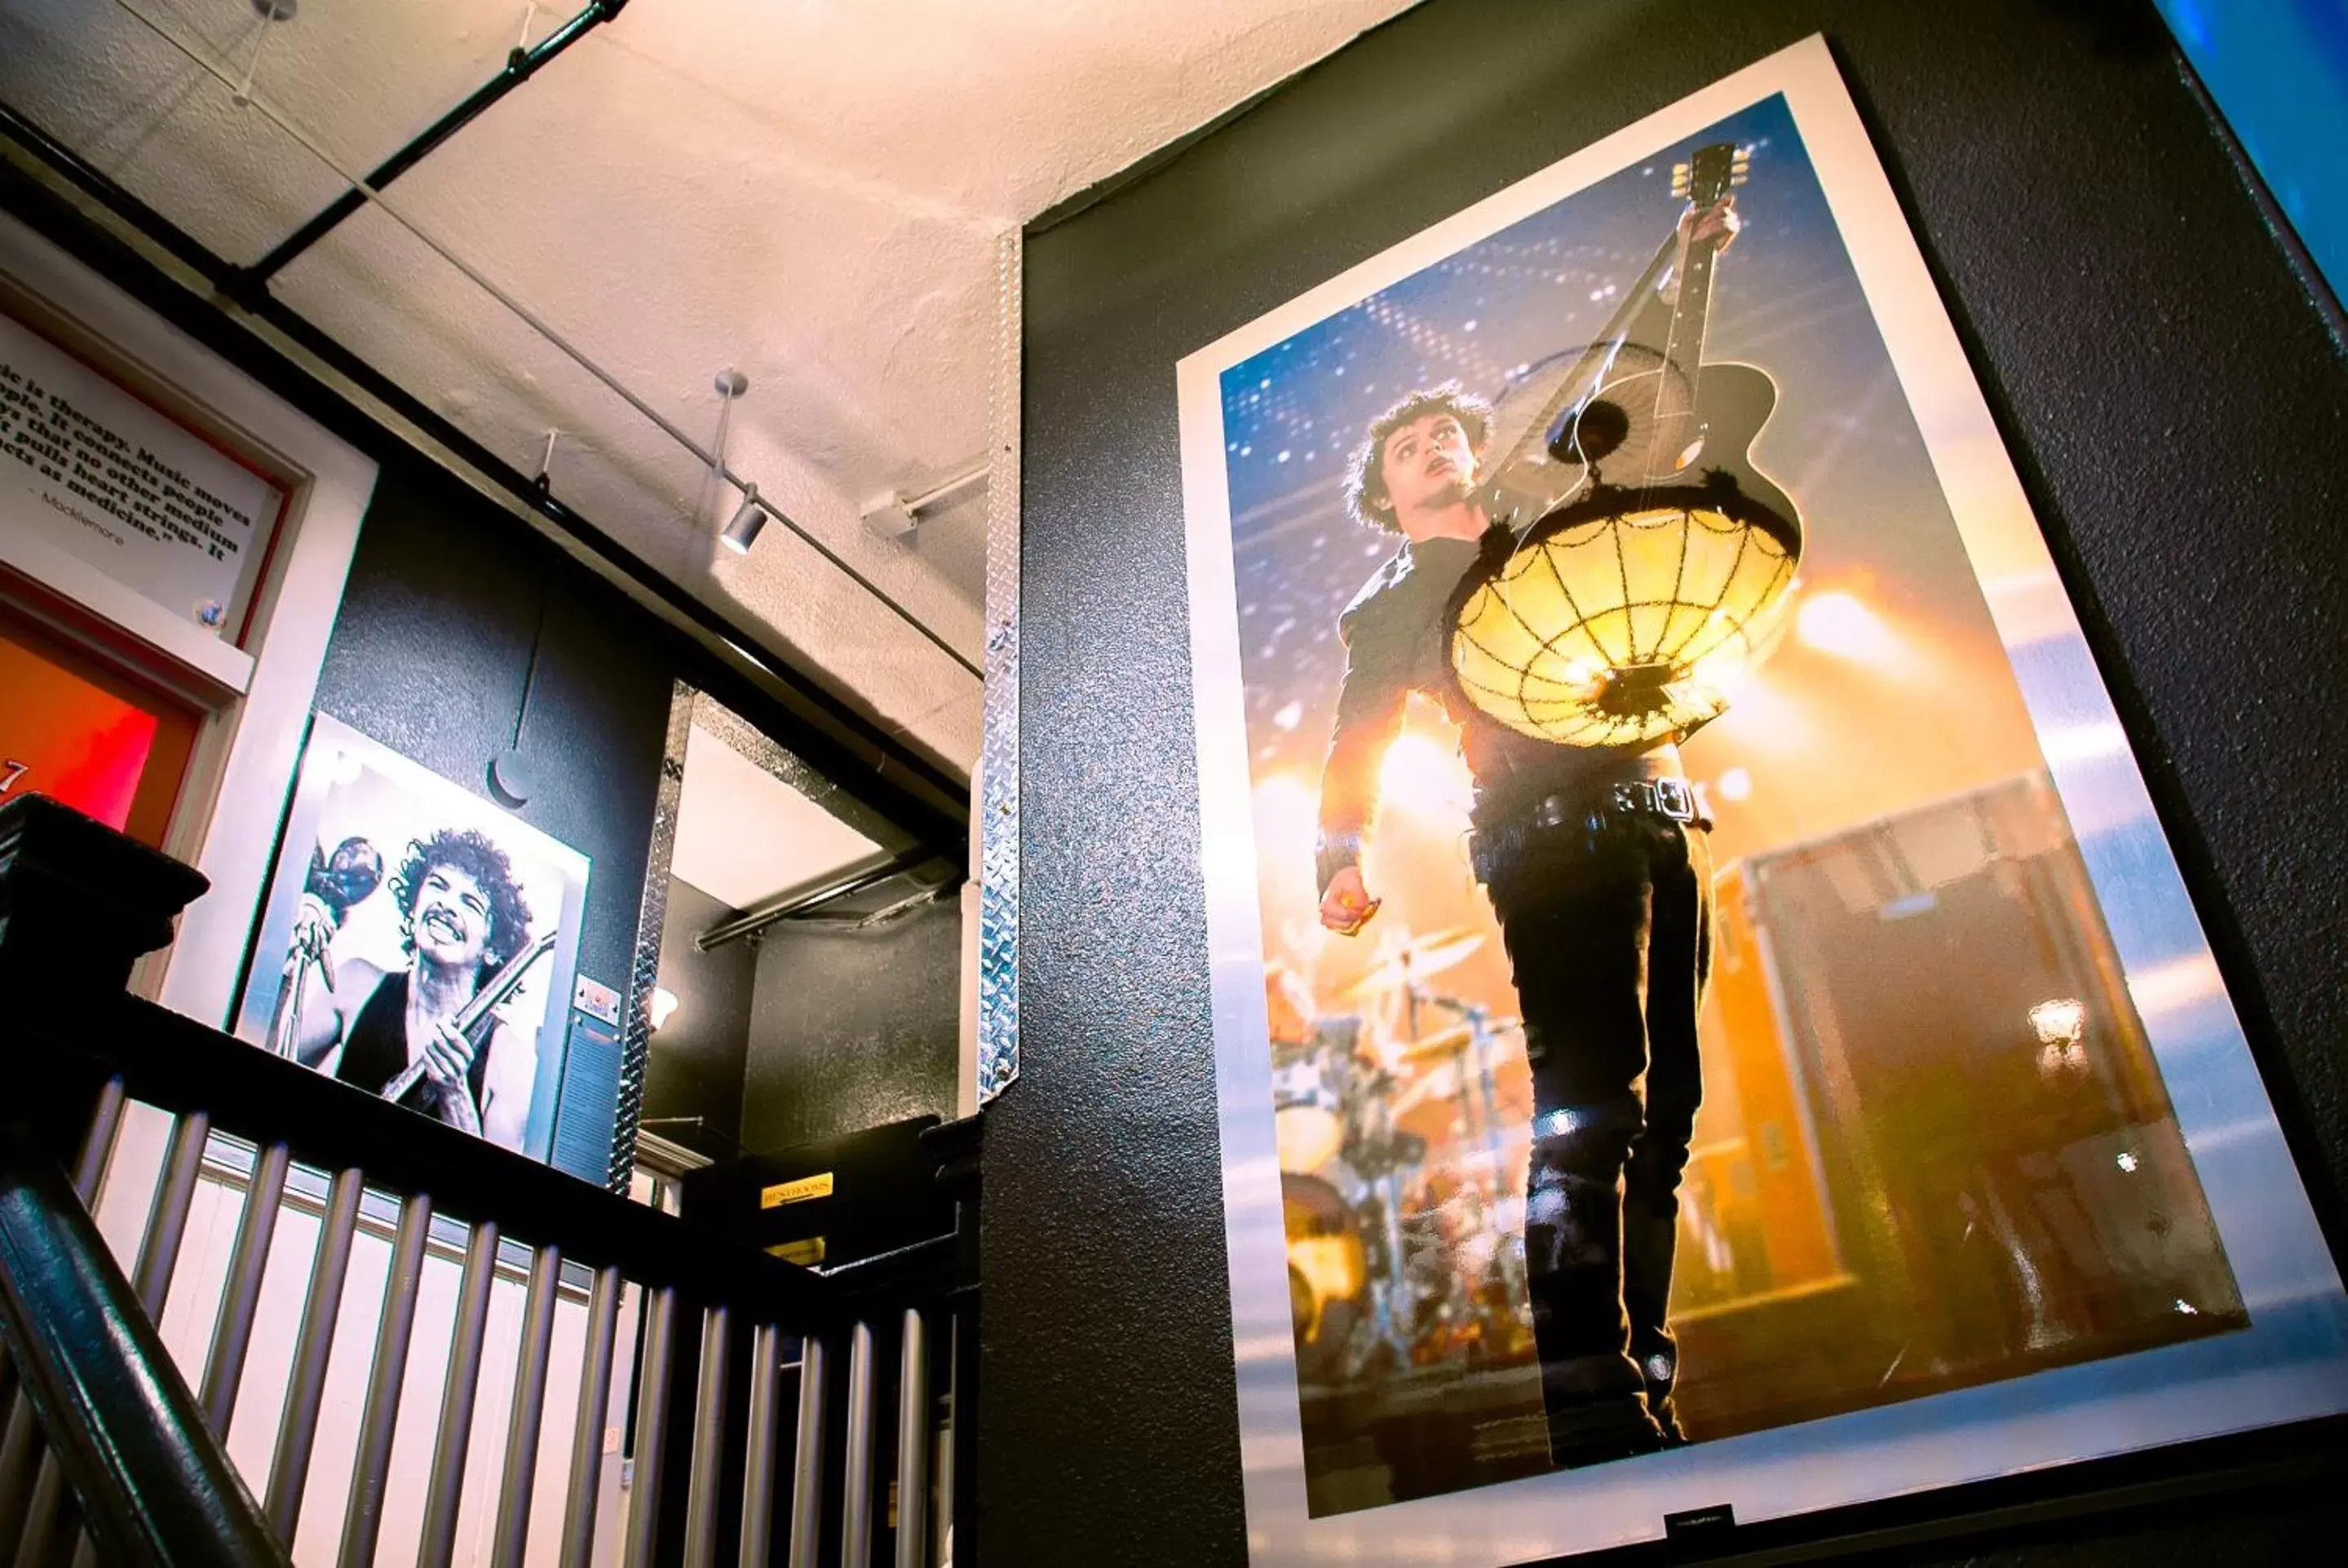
{"type": "Point", "coordinates": [1608, 922]}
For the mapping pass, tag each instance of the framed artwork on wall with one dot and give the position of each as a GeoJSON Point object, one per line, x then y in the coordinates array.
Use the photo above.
{"type": "Point", "coordinates": [1705, 1013]}
{"type": "Point", "coordinates": [419, 943]}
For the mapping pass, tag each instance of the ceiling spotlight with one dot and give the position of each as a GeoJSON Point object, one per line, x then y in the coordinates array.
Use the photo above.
{"type": "Point", "coordinates": [748, 520]}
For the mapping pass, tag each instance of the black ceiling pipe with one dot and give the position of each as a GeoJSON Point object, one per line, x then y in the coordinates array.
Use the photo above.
{"type": "Point", "coordinates": [907, 787]}
{"type": "Point", "coordinates": [521, 66]}
{"type": "Point", "coordinates": [855, 878]}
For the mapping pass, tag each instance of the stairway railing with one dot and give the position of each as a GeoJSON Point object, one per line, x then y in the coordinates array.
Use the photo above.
{"type": "Point", "coordinates": [748, 1443]}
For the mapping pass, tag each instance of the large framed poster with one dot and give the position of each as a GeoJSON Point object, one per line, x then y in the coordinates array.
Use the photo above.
{"type": "Point", "coordinates": [419, 943]}
{"type": "Point", "coordinates": [1706, 1014]}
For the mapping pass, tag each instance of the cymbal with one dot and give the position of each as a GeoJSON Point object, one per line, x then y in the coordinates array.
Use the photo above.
{"type": "Point", "coordinates": [1446, 1043]}
{"type": "Point", "coordinates": [1417, 958]}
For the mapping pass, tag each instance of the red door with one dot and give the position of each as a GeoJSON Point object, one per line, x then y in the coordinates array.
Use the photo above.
{"type": "Point", "coordinates": [80, 732]}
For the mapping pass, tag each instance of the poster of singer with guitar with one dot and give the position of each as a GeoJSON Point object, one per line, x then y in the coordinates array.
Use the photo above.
{"type": "Point", "coordinates": [1685, 970]}
{"type": "Point", "coordinates": [417, 943]}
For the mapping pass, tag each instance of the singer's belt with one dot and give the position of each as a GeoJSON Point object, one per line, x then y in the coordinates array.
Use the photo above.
{"type": "Point", "coordinates": [1620, 804]}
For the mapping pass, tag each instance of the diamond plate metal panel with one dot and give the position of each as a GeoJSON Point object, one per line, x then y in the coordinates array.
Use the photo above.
{"type": "Point", "coordinates": [997, 822]}
{"type": "Point", "coordinates": [644, 971]}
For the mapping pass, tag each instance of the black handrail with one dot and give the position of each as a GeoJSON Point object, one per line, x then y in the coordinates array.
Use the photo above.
{"type": "Point", "coordinates": [127, 1432]}
{"type": "Point", "coordinates": [77, 899]}
{"type": "Point", "coordinates": [178, 1064]}
{"type": "Point", "coordinates": [78, 904]}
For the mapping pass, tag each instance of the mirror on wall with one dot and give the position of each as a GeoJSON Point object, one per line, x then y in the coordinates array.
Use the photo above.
{"type": "Point", "coordinates": [806, 982]}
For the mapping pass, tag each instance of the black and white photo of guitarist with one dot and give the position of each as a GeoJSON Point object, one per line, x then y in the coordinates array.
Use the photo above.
{"type": "Point", "coordinates": [429, 1036]}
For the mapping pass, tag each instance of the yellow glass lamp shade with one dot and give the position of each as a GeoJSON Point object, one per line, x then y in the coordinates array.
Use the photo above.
{"type": "Point", "coordinates": [1612, 622]}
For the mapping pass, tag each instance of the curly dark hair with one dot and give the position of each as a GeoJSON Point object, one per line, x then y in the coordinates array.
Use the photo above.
{"type": "Point", "coordinates": [472, 854]}
{"type": "Point", "coordinates": [1366, 486]}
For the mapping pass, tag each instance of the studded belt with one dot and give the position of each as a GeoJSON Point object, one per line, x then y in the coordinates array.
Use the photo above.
{"type": "Point", "coordinates": [1626, 800]}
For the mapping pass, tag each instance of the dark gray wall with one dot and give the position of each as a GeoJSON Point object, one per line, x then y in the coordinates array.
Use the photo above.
{"type": "Point", "coordinates": [433, 649]}
{"type": "Point", "coordinates": [853, 1029]}
{"type": "Point", "coordinates": [2163, 379]}
{"type": "Point", "coordinates": [698, 1059]}
{"type": "Point", "coordinates": [438, 636]}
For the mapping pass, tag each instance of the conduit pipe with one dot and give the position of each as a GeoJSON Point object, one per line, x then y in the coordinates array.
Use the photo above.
{"type": "Point", "coordinates": [528, 317]}
{"type": "Point", "coordinates": [521, 66]}
{"type": "Point", "coordinates": [853, 877]}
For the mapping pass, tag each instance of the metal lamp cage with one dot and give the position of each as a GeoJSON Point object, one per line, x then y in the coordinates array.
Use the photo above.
{"type": "Point", "coordinates": [1614, 621]}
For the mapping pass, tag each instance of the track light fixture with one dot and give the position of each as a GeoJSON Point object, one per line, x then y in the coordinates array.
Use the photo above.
{"type": "Point", "coordinates": [749, 519]}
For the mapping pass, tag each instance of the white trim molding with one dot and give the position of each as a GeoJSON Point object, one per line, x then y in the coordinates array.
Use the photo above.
{"type": "Point", "coordinates": [252, 744]}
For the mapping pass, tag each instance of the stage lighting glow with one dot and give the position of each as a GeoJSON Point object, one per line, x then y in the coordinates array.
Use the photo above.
{"type": "Point", "coordinates": [1734, 783]}
{"type": "Point", "coordinates": [1839, 624]}
{"type": "Point", "coordinates": [1285, 810]}
{"type": "Point", "coordinates": [1419, 773]}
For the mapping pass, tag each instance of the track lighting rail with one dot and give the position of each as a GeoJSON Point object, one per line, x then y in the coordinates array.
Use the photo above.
{"type": "Point", "coordinates": [611, 383]}
{"type": "Point", "coordinates": [520, 66]}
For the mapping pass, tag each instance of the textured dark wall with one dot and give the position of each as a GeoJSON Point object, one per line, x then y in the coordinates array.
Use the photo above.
{"type": "Point", "coordinates": [699, 1056]}
{"type": "Point", "coordinates": [431, 655]}
{"type": "Point", "coordinates": [852, 1029]}
{"type": "Point", "coordinates": [2163, 380]}
{"type": "Point", "coordinates": [432, 651]}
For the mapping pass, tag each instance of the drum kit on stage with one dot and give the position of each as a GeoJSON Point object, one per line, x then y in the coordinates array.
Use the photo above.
{"type": "Point", "coordinates": [1405, 1248]}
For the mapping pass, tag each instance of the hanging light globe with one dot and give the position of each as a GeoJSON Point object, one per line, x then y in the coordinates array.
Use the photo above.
{"type": "Point", "coordinates": [1613, 620]}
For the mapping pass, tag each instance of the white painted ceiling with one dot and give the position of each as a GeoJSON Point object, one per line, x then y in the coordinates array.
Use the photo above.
{"type": "Point", "coordinates": [811, 190]}
{"type": "Point", "coordinates": [743, 834]}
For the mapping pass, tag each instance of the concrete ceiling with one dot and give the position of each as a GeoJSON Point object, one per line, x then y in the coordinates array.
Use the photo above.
{"type": "Point", "coordinates": [743, 834]}
{"type": "Point", "coordinates": [811, 190]}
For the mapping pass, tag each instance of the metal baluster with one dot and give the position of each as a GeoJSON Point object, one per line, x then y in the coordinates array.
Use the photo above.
{"type": "Point", "coordinates": [807, 1465]}
{"type": "Point", "coordinates": [587, 1430]}
{"type": "Point", "coordinates": [961, 1475]}
{"type": "Point", "coordinates": [167, 1222]}
{"type": "Point", "coordinates": [758, 1461]}
{"type": "Point", "coordinates": [44, 1525]}
{"type": "Point", "coordinates": [949, 1459]}
{"type": "Point", "coordinates": [529, 1410]}
{"type": "Point", "coordinates": [701, 1484]}
{"type": "Point", "coordinates": [289, 1468]}
{"type": "Point", "coordinates": [652, 1428]}
{"type": "Point", "coordinates": [913, 1444]}
{"type": "Point", "coordinates": [449, 1444]}
{"type": "Point", "coordinates": [45, 1518]}
{"type": "Point", "coordinates": [363, 1520]}
{"type": "Point", "coordinates": [856, 1469]}
{"type": "Point", "coordinates": [97, 1143]}
{"type": "Point", "coordinates": [21, 1451]}
{"type": "Point", "coordinates": [240, 1296]}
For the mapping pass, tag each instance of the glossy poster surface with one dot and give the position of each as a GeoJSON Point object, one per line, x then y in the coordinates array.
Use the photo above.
{"type": "Point", "coordinates": [1978, 1175]}
{"type": "Point", "coordinates": [418, 943]}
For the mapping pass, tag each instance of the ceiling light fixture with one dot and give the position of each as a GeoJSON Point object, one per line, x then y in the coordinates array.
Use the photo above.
{"type": "Point", "coordinates": [731, 383]}
{"type": "Point", "coordinates": [749, 519]}
{"type": "Point", "coordinates": [269, 10]}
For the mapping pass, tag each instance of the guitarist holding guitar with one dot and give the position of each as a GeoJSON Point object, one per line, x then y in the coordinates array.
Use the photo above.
{"type": "Point", "coordinates": [1594, 859]}
{"type": "Point", "coordinates": [428, 1037]}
